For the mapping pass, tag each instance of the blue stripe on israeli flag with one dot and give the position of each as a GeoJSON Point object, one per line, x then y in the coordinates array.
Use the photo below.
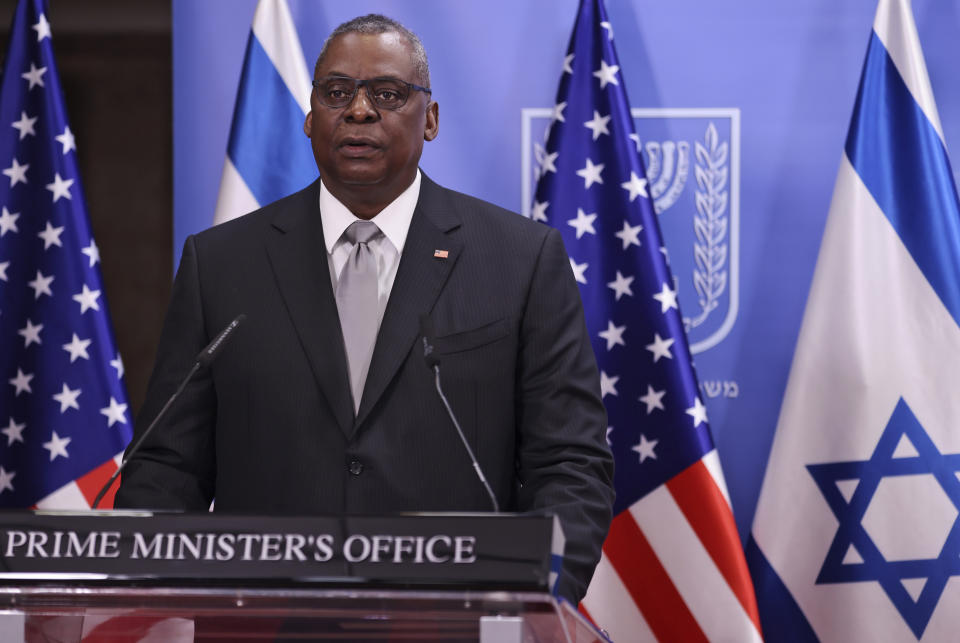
{"type": "Point", "coordinates": [267, 143]}
{"type": "Point", "coordinates": [903, 162]}
{"type": "Point", "coordinates": [268, 155]}
{"type": "Point", "coordinates": [783, 620]}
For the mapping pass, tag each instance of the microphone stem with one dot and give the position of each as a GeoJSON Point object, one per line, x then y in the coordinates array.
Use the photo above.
{"type": "Point", "coordinates": [466, 445]}
{"type": "Point", "coordinates": [143, 436]}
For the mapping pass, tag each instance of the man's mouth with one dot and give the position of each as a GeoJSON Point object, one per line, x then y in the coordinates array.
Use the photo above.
{"type": "Point", "coordinates": [358, 146]}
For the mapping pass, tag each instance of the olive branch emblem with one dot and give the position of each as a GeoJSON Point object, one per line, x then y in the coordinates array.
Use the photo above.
{"type": "Point", "coordinates": [710, 225]}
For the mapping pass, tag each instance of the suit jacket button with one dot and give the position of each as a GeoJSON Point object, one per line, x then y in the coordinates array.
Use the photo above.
{"type": "Point", "coordinates": [355, 467]}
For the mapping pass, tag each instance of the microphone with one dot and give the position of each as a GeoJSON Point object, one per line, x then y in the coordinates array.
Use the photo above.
{"type": "Point", "coordinates": [203, 360]}
{"type": "Point", "coordinates": [213, 349]}
{"type": "Point", "coordinates": [433, 363]}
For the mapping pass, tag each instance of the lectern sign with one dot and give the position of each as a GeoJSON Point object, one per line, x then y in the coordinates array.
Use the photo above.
{"type": "Point", "coordinates": [434, 549]}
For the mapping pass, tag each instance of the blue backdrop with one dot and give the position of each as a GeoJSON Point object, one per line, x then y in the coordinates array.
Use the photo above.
{"type": "Point", "coordinates": [761, 91]}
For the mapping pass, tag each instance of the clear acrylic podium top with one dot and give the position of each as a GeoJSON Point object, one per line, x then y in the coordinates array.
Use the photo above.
{"type": "Point", "coordinates": [46, 612]}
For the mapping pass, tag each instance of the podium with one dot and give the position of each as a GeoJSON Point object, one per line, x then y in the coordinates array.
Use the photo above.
{"type": "Point", "coordinates": [123, 576]}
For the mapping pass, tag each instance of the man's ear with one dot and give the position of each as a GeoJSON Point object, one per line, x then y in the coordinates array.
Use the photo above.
{"type": "Point", "coordinates": [432, 126]}
{"type": "Point", "coordinates": [308, 124]}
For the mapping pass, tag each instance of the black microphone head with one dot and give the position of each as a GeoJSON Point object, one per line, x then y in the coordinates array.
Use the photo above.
{"type": "Point", "coordinates": [208, 354]}
{"type": "Point", "coordinates": [426, 330]}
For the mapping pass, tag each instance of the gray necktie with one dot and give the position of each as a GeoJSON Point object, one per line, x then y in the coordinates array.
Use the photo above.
{"type": "Point", "coordinates": [358, 304]}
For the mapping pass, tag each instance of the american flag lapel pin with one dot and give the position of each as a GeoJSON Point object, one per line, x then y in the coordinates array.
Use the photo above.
{"type": "Point", "coordinates": [441, 254]}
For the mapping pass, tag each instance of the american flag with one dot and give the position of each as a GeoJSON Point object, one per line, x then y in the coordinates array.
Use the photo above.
{"type": "Point", "coordinates": [64, 417]}
{"type": "Point", "coordinates": [672, 566]}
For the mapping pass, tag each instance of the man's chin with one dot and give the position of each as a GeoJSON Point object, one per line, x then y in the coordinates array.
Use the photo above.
{"type": "Point", "coordinates": [360, 173]}
{"type": "Point", "coordinates": [361, 181]}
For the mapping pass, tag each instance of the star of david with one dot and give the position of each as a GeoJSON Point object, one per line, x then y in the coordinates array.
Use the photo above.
{"type": "Point", "coordinates": [851, 532]}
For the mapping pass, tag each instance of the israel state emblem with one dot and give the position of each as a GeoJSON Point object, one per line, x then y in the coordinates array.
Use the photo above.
{"type": "Point", "coordinates": [692, 159]}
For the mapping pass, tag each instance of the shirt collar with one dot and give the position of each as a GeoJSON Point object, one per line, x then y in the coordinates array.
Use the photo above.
{"type": "Point", "coordinates": [393, 220]}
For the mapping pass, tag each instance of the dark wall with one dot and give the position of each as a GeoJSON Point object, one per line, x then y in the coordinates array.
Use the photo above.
{"type": "Point", "coordinates": [115, 66]}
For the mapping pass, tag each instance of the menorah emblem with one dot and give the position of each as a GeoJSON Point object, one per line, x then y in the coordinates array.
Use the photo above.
{"type": "Point", "coordinates": [668, 165]}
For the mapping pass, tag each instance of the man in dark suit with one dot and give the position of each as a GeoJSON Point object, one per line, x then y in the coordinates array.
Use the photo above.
{"type": "Point", "coordinates": [294, 418]}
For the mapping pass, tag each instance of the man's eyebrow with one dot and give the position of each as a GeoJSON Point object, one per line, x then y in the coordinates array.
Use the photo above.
{"type": "Point", "coordinates": [340, 74]}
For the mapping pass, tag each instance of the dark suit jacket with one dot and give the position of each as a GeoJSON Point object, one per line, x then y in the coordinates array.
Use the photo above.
{"type": "Point", "coordinates": [271, 428]}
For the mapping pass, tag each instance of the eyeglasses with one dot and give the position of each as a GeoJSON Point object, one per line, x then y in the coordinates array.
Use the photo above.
{"type": "Point", "coordinates": [386, 93]}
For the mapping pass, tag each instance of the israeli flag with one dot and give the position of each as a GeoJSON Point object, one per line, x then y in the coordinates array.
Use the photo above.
{"type": "Point", "coordinates": [856, 536]}
{"type": "Point", "coordinates": [268, 156]}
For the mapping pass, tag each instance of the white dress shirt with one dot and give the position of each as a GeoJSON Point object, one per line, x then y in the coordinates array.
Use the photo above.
{"type": "Point", "coordinates": [394, 223]}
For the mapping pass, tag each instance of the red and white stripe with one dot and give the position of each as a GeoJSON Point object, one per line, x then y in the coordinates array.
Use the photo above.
{"type": "Point", "coordinates": [81, 493]}
{"type": "Point", "coordinates": [673, 567]}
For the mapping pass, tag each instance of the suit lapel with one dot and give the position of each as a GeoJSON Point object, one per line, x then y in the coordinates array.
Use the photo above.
{"type": "Point", "coordinates": [299, 261]}
{"type": "Point", "coordinates": [420, 278]}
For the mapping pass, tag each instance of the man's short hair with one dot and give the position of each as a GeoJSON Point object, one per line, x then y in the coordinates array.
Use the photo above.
{"type": "Point", "coordinates": [375, 23]}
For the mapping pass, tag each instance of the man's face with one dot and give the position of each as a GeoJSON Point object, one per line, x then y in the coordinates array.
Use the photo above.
{"type": "Point", "coordinates": [368, 156]}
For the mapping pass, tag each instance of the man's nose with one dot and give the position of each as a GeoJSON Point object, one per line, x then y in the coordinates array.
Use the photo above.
{"type": "Point", "coordinates": [361, 108]}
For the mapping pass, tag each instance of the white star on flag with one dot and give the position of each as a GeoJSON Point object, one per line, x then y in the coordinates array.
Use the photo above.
{"type": "Point", "coordinates": [558, 112]}
{"type": "Point", "coordinates": [613, 335]}
{"type": "Point", "coordinates": [567, 62]}
{"type": "Point", "coordinates": [41, 285]}
{"type": "Point", "coordinates": [608, 384]}
{"type": "Point", "coordinates": [698, 412]}
{"type": "Point", "coordinates": [547, 164]}
{"type": "Point", "coordinates": [579, 271]}
{"type": "Point", "coordinates": [77, 348]}
{"type": "Point", "coordinates": [630, 235]}
{"type": "Point", "coordinates": [51, 236]}
{"type": "Point", "coordinates": [636, 186]}
{"type": "Point", "coordinates": [66, 139]}
{"type": "Point", "coordinates": [117, 364]}
{"type": "Point", "coordinates": [93, 252]}
{"type": "Point", "coordinates": [25, 125]}
{"type": "Point", "coordinates": [653, 399]}
{"type": "Point", "coordinates": [6, 478]}
{"type": "Point", "coordinates": [3, 270]}
{"type": "Point", "coordinates": [660, 347]}
{"type": "Point", "coordinates": [539, 212]}
{"type": "Point", "coordinates": [598, 125]}
{"type": "Point", "coordinates": [57, 446]}
{"type": "Point", "coordinates": [115, 412]}
{"type": "Point", "coordinates": [14, 432]}
{"type": "Point", "coordinates": [60, 187]}
{"type": "Point", "coordinates": [30, 333]}
{"type": "Point", "coordinates": [21, 382]}
{"type": "Point", "coordinates": [591, 174]}
{"type": "Point", "coordinates": [42, 27]}
{"type": "Point", "coordinates": [67, 398]}
{"type": "Point", "coordinates": [609, 431]}
{"type": "Point", "coordinates": [17, 173]}
{"type": "Point", "coordinates": [34, 76]}
{"type": "Point", "coordinates": [87, 299]}
{"type": "Point", "coordinates": [645, 448]}
{"type": "Point", "coordinates": [621, 286]}
{"type": "Point", "coordinates": [667, 298]}
{"type": "Point", "coordinates": [8, 222]}
{"type": "Point", "coordinates": [607, 74]}
{"type": "Point", "coordinates": [609, 27]}
{"type": "Point", "coordinates": [636, 141]}
{"type": "Point", "coordinates": [583, 223]}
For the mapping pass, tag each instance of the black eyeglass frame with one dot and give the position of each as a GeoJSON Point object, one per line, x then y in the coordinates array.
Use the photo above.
{"type": "Point", "coordinates": [358, 83]}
